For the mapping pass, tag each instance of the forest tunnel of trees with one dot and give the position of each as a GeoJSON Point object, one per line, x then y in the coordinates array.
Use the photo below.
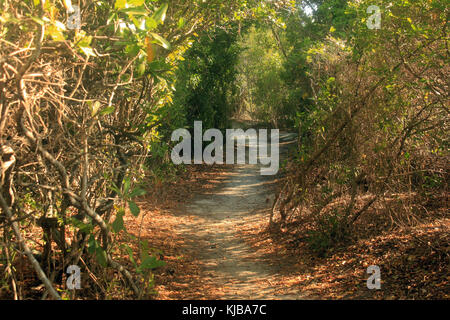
{"type": "Point", "coordinates": [91, 91]}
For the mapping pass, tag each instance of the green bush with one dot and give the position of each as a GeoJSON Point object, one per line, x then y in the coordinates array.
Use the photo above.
{"type": "Point", "coordinates": [330, 230]}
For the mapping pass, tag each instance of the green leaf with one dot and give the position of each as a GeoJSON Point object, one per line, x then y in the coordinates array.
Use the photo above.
{"type": "Point", "coordinates": [136, 3]}
{"type": "Point", "coordinates": [88, 51]}
{"type": "Point", "coordinates": [130, 254]}
{"type": "Point", "coordinates": [116, 189]}
{"type": "Point", "coordinates": [107, 110]}
{"type": "Point", "coordinates": [136, 11]}
{"type": "Point", "coordinates": [61, 26]}
{"type": "Point", "coordinates": [160, 13]}
{"type": "Point", "coordinates": [126, 185]}
{"type": "Point", "coordinates": [83, 227]}
{"type": "Point", "coordinates": [117, 225]}
{"type": "Point", "coordinates": [181, 23]}
{"type": "Point", "coordinates": [144, 249]}
{"type": "Point", "coordinates": [101, 256]}
{"type": "Point", "coordinates": [141, 68]}
{"type": "Point", "coordinates": [150, 23]}
{"type": "Point", "coordinates": [136, 22]}
{"type": "Point", "coordinates": [163, 42]}
{"type": "Point", "coordinates": [55, 33]}
{"type": "Point", "coordinates": [92, 244]}
{"type": "Point", "coordinates": [132, 50]}
{"type": "Point", "coordinates": [134, 208]}
{"type": "Point", "coordinates": [120, 4]}
{"type": "Point", "coordinates": [111, 18]}
{"type": "Point", "coordinates": [137, 192]}
{"type": "Point", "coordinates": [412, 24]}
{"type": "Point", "coordinates": [38, 20]}
{"type": "Point", "coordinates": [83, 40]}
{"type": "Point", "coordinates": [94, 108]}
{"type": "Point", "coordinates": [150, 263]}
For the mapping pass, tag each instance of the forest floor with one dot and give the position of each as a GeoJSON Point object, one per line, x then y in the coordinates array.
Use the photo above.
{"type": "Point", "coordinates": [212, 230]}
{"type": "Point", "coordinates": [205, 240]}
{"type": "Point", "coordinates": [213, 234]}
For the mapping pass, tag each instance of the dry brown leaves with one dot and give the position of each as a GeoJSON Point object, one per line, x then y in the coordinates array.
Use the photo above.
{"type": "Point", "coordinates": [414, 262]}
{"type": "Point", "coordinates": [181, 277]}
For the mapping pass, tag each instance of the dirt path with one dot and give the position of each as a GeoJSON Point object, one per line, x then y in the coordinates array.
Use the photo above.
{"type": "Point", "coordinates": [212, 231]}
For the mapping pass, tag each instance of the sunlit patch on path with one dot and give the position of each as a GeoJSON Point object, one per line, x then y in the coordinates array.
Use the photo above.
{"type": "Point", "coordinates": [226, 260]}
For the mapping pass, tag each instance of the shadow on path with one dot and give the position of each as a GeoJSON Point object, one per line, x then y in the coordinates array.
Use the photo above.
{"type": "Point", "coordinates": [228, 262]}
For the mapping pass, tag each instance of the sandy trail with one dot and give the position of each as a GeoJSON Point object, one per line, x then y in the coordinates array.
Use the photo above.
{"type": "Point", "coordinates": [228, 262]}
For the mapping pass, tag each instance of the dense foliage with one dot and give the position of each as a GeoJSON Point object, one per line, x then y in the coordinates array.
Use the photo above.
{"type": "Point", "coordinates": [87, 111]}
{"type": "Point", "coordinates": [206, 80]}
{"type": "Point", "coordinates": [371, 111]}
